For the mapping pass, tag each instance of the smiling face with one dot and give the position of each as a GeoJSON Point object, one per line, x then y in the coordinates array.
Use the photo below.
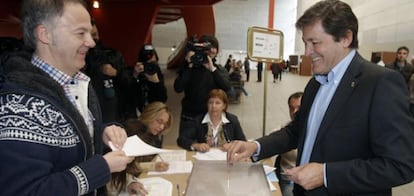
{"type": "Point", "coordinates": [70, 39]}
{"type": "Point", "coordinates": [323, 50]}
{"type": "Point", "coordinates": [159, 124]}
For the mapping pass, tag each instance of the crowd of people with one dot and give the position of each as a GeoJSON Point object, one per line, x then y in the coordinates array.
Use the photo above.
{"type": "Point", "coordinates": [66, 96]}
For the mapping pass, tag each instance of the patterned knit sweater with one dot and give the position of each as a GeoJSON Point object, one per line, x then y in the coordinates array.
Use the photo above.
{"type": "Point", "coordinates": [45, 145]}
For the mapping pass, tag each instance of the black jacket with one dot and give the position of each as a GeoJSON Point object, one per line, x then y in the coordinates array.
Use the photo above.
{"type": "Point", "coordinates": [196, 84]}
{"type": "Point", "coordinates": [198, 131]}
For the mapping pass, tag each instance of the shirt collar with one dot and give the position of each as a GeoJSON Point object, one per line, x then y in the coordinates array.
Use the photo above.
{"type": "Point", "coordinates": [207, 119]}
{"type": "Point", "coordinates": [337, 71]}
{"type": "Point", "coordinates": [56, 74]}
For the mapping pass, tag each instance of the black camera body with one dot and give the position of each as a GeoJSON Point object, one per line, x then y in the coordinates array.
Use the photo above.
{"type": "Point", "coordinates": [150, 68]}
{"type": "Point", "coordinates": [200, 53]}
{"type": "Point", "coordinates": [145, 55]}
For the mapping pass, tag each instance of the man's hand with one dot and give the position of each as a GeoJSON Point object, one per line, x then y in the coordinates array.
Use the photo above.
{"type": "Point", "coordinates": [117, 135]}
{"type": "Point", "coordinates": [138, 68]}
{"type": "Point", "coordinates": [239, 150]}
{"type": "Point", "coordinates": [108, 70]}
{"type": "Point", "coordinates": [309, 176]}
{"type": "Point", "coordinates": [209, 65]}
{"type": "Point", "coordinates": [117, 160]}
{"type": "Point", "coordinates": [152, 78]}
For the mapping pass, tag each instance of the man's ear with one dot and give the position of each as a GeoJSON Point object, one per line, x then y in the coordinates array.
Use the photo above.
{"type": "Point", "coordinates": [43, 34]}
{"type": "Point", "coordinates": [347, 40]}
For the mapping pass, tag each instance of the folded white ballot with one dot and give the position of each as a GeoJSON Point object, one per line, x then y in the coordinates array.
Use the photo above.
{"type": "Point", "coordinates": [134, 146]}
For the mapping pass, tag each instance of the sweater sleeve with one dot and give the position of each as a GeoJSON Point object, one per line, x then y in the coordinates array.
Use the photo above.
{"type": "Point", "coordinates": [42, 153]}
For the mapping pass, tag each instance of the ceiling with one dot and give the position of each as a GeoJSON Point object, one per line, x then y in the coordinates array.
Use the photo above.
{"type": "Point", "coordinates": [170, 10]}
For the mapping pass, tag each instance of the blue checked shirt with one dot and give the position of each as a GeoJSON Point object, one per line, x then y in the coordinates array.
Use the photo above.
{"type": "Point", "coordinates": [66, 81]}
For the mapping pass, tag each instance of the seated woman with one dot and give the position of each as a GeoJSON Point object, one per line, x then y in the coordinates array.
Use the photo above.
{"type": "Point", "coordinates": [214, 129]}
{"type": "Point", "coordinates": [149, 127]}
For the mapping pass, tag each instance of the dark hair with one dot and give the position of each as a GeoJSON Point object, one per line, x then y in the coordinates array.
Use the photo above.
{"type": "Point", "coordinates": [336, 17]}
{"type": "Point", "coordinates": [209, 38]}
{"type": "Point", "coordinates": [37, 12]}
{"type": "Point", "coordinates": [403, 48]}
{"type": "Point", "coordinates": [295, 96]}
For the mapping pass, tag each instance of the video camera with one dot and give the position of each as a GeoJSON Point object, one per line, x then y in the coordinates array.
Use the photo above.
{"type": "Point", "coordinates": [200, 52]}
{"type": "Point", "coordinates": [147, 53]}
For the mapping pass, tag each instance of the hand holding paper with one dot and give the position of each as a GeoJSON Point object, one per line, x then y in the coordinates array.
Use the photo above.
{"type": "Point", "coordinates": [134, 146]}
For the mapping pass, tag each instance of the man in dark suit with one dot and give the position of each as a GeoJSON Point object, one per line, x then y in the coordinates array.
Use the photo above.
{"type": "Point", "coordinates": [353, 131]}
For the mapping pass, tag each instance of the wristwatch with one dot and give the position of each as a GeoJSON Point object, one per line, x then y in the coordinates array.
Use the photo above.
{"type": "Point", "coordinates": [192, 148]}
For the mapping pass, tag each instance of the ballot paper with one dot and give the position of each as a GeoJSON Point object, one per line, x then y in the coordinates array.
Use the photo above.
{"type": "Point", "coordinates": [220, 179]}
{"type": "Point", "coordinates": [212, 154]}
{"type": "Point", "coordinates": [157, 186]}
{"type": "Point", "coordinates": [134, 146]}
{"type": "Point", "coordinates": [175, 167]}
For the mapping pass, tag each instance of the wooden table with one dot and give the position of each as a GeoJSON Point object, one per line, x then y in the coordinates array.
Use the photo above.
{"type": "Point", "coordinates": [182, 179]}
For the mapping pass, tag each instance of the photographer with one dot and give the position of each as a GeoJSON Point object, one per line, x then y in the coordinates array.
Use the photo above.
{"type": "Point", "coordinates": [198, 76]}
{"type": "Point", "coordinates": [104, 66]}
{"type": "Point", "coordinates": [146, 82]}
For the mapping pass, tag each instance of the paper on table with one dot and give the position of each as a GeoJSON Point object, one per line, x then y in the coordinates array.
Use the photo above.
{"type": "Point", "coordinates": [134, 146]}
{"type": "Point", "coordinates": [212, 154]}
{"type": "Point", "coordinates": [175, 167]}
{"type": "Point", "coordinates": [173, 155]}
{"type": "Point", "coordinates": [268, 169]}
{"type": "Point", "coordinates": [157, 186]}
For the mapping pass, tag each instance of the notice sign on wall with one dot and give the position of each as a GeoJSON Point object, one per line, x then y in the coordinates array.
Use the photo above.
{"type": "Point", "coordinates": [264, 45]}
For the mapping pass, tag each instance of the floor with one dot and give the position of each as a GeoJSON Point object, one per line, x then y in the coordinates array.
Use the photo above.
{"type": "Point", "coordinates": [251, 110]}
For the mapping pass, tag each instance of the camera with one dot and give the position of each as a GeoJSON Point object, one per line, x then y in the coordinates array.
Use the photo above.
{"type": "Point", "coordinates": [150, 68]}
{"type": "Point", "coordinates": [145, 55]}
{"type": "Point", "coordinates": [200, 53]}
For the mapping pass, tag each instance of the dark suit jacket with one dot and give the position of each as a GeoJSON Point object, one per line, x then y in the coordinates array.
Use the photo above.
{"type": "Point", "coordinates": [365, 138]}
{"type": "Point", "coordinates": [197, 132]}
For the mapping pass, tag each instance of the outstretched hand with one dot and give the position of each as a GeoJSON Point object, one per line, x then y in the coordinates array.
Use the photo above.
{"type": "Point", "coordinates": [239, 150]}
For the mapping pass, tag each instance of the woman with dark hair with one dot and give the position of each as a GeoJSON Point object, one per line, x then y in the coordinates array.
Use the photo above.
{"type": "Point", "coordinates": [150, 128]}
{"type": "Point", "coordinates": [213, 129]}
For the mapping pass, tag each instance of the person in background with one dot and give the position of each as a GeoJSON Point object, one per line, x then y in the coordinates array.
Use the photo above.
{"type": "Point", "coordinates": [276, 71]}
{"type": "Point", "coordinates": [352, 137]}
{"type": "Point", "coordinates": [196, 79]}
{"type": "Point", "coordinates": [287, 160]}
{"type": "Point", "coordinates": [228, 63]}
{"type": "Point", "coordinates": [145, 82]}
{"type": "Point", "coordinates": [236, 77]}
{"type": "Point", "coordinates": [247, 68]}
{"type": "Point", "coordinates": [51, 131]}
{"type": "Point", "coordinates": [214, 129]}
{"type": "Point", "coordinates": [401, 64]}
{"type": "Point", "coordinates": [259, 71]}
{"type": "Point", "coordinates": [104, 66]}
{"type": "Point", "coordinates": [149, 127]}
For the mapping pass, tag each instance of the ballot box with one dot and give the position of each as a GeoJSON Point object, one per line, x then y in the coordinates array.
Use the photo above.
{"type": "Point", "coordinates": [220, 179]}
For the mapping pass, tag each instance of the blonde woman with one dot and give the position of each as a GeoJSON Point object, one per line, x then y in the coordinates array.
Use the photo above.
{"type": "Point", "coordinates": [150, 127]}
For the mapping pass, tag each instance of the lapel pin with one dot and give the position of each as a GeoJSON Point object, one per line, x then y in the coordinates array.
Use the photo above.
{"type": "Point", "coordinates": [353, 84]}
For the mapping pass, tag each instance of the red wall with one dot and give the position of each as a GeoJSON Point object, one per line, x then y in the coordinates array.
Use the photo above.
{"type": "Point", "coordinates": [9, 27]}
{"type": "Point", "coordinates": [125, 26]}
